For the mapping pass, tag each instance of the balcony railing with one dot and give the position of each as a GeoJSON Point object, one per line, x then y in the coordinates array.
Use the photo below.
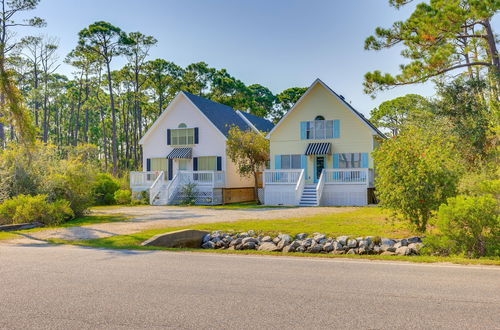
{"type": "Point", "coordinates": [347, 176]}
{"type": "Point", "coordinates": [143, 179]}
{"type": "Point", "coordinates": [281, 176]}
{"type": "Point", "coordinates": [214, 179]}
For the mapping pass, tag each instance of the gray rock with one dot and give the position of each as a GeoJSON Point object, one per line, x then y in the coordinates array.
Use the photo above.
{"type": "Point", "coordinates": [188, 238]}
{"type": "Point", "coordinates": [359, 239]}
{"type": "Point", "coordinates": [250, 239]}
{"type": "Point", "coordinates": [338, 252]}
{"type": "Point", "coordinates": [376, 249]}
{"type": "Point", "coordinates": [322, 241]}
{"type": "Point", "coordinates": [403, 251]}
{"type": "Point", "coordinates": [362, 250]}
{"type": "Point", "coordinates": [328, 247]}
{"type": "Point", "coordinates": [301, 236]}
{"type": "Point", "coordinates": [206, 238]}
{"type": "Point", "coordinates": [285, 237]}
{"type": "Point", "coordinates": [352, 243]}
{"type": "Point", "coordinates": [389, 248]}
{"type": "Point", "coordinates": [319, 237]}
{"type": "Point", "coordinates": [268, 246]}
{"type": "Point", "coordinates": [208, 245]}
{"type": "Point", "coordinates": [276, 240]}
{"type": "Point", "coordinates": [352, 251]}
{"type": "Point", "coordinates": [403, 242]}
{"type": "Point", "coordinates": [266, 239]}
{"type": "Point", "coordinates": [283, 242]}
{"type": "Point", "coordinates": [308, 242]}
{"type": "Point", "coordinates": [414, 239]}
{"type": "Point", "coordinates": [388, 253]}
{"type": "Point", "coordinates": [369, 239]}
{"type": "Point", "coordinates": [251, 233]}
{"type": "Point", "coordinates": [248, 246]}
{"type": "Point", "coordinates": [235, 242]}
{"type": "Point", "coordinates": [301, 249]}
{"type": "Point", "coordinates": [315, 248]}
{"type": "Point", "coordinates": [337, 246]}
{"type": "Point", "coordinates": [243, 235]}
{"type": "Point", "coordinates": [397, 245]}
{"type": "Point", "coordinates": [342, 239]}
{"type": "Point", "coordinates": [363, 244]}
{"type": "Point", "coordinates": [387, 241]}
{"type": "Point", "coordinates": [215, 239]}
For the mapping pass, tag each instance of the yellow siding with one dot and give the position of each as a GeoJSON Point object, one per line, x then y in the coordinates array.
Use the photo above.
{"type": "Point", "coordinates": [355, 135]}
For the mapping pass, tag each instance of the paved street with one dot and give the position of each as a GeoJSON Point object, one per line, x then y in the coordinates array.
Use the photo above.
{"type": "Point", "coordinates": [65, 287]}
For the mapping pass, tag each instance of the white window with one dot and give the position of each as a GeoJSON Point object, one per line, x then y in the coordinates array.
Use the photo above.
{"type": "Point", "coordinates": [319, 129]}
{"type": "Point", "coordinates": [290, 162]}
{"type": "Point", "coordinates": [208, 163]}
{"type": "Point", "coordinates": [182, 136]}
{"type": "Point", "coordinates": [350, 160]}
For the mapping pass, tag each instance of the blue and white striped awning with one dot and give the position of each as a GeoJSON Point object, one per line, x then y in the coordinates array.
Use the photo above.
{"type": "Point", "coordinates": [323, 148]}
{"type": "Point", "coordinates": [180, 153]}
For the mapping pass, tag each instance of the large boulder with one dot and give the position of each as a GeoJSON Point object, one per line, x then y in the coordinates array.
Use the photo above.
{"type": "Point", "coordinates": [187, 238]}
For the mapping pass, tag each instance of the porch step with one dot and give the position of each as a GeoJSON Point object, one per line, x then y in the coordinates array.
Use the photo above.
{"type": "Point", "coordinates": [308, 197]}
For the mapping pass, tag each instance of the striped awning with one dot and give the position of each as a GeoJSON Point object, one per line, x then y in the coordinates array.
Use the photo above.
{"type": "Point", "coordinates": [180, 153]}
{"type": "Point", "coordinates": [323, 148]}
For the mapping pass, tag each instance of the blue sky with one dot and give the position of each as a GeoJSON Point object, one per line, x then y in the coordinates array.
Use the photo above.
{"type": "Point", "coordinates": [277, 43]}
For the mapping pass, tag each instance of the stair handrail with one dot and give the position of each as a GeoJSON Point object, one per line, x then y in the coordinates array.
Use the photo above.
{"type": "Point", "coordinates": [171, 187]}
{"type": "Point", "coordinates": [299, 187]}
{"type": "Point", "coordinates": [155, 188]}
{"type": "Point", "coordinates": [319, 187]}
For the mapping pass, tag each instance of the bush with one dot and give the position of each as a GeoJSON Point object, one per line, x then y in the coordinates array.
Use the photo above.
{"type": "Point", "coordinates": [123, 196]}
{"type": "Point", "coordinates": [105, 188]}
{"type": "Point", "coordinates": [416, 172]}
{"type": "Point", "coordinates": [472, 223]}
{"type": "Point", "coordinates": [26, 208]}
{"type": "Point", "coordinates": [188, 192]}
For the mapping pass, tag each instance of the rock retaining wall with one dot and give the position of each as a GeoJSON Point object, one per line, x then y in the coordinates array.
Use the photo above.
{"type": "Point", "coordinates": [315, 243]}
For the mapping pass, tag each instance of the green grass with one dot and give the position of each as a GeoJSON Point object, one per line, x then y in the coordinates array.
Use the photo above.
{"type": "Point", "coordinates": [82, 221]}
{"type": "Point", "coordinates": [237, 206]}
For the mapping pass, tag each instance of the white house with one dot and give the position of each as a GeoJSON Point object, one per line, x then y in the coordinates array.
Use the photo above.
{"type": "Point", "coordinates": [320, 153]}
{"type": "Point", "coordinates": [187, 144]}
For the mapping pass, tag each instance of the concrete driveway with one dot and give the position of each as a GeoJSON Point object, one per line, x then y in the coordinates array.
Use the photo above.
{"type": "Point", "coordinates": [142, 218]}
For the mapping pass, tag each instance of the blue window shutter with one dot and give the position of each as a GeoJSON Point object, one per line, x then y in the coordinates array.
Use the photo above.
{"type": "Point", "coordinates": [303, 125]}
{"type": "Point", "coordinates": [170, 168]}
{"type": "Point", "coordinates": [277, 162]}
{"type": "Point", "coordinates": [168, 137]}
{"type": "Point", "coordinates": [336, 129]}
{"type": "Point", "coordinates": [148, 164]}
{"type": "Point", "coordinates": [303, 163]}
{"type": "Point", "coordinates": [219, 163]}
{"type": "Point", "coordinates": [335, 160]}
{"type": "Point", "coordinates": [196, 135]}
{"type": "Point", "coordinates": [364, 160]}
{"type": "Point", "coordinates": [195, 163]}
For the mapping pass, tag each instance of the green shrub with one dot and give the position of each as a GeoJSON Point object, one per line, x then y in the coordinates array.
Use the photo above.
{"type": "Point", "coordinates": [26, 208]}
{"type": "Point", "coordinates": [472, 223]}
{"type": "Point", "coordinates": [123, 196]}
{"type": "Point", "coordinates": [188, 192]}
{"type": "Point", "coordinates": [104, 189]}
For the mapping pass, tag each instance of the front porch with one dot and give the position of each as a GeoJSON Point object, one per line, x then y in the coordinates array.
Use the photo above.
{"type": "Point", "coordinates": [207, 186]}
{"type": "Point", "coordinates": [334, 187]}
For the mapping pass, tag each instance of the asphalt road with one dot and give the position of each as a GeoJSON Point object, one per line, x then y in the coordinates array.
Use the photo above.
{"type": "Point", "coordinates": [63, 287]}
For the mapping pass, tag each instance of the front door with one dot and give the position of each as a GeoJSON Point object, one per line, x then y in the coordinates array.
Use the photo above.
{"type": "Point", "coordinates": [319, 166]}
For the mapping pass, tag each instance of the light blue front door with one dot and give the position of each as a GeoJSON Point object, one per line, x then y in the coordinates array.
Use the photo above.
{"type": "Point", "coordinates": [319, 165]}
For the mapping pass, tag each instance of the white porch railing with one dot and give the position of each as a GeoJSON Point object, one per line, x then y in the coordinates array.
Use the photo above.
{"type": "Point", "coordinates": [299, 187]}
{"type": "Point", "coordinates": [282, 176]}
{"type": "Point", "coordinates": [171, 188]}
{"type": "Point", "coordinates": [346, 176]}
{"type": "Point", "coordinates": [156, 187]}
{"type": "Point", "coordinates": [143, 179]}
{"type": "Point", "coordinates": [319, 187]}
{"type": "Point", "coordinates": [213, 179]}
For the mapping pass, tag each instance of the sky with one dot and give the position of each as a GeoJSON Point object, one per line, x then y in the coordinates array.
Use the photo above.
{"type": "Point", "coordinates": [276, 43]}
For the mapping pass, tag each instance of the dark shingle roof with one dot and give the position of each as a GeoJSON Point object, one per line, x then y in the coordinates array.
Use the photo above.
{"type": "Point", "coordinates": [222, 116]}
{"type": "Point", "coordinates": [260, 123]}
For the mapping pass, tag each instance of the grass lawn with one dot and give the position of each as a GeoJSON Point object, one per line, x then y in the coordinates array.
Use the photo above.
{"type": "Point", "coordinates": [82, 221]}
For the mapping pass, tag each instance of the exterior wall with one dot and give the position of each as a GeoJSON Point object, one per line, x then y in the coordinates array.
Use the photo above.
{"type": "Point", "coordinates": [344, 195]}
{"type": "Point", "coordinates": [355, 135]}
{"type": "Point", "coordinates": [211, 141]}
{"type": "Point", "coordinates": [233, 178]}
{"type": "Point", "coordinates": [280, 194]}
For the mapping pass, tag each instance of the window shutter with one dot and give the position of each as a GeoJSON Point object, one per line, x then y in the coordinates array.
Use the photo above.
{"type": "Point", "coordinates": [336, 129]}
{"type": "Point", "coordinates": [219, 163]}
{"type": "Point", "coordinates": [335, 160]}
{"type": "Point", "coordinates": [303, 125]}
{"type": "Point", "coordinates": [277, 162]}
{"type": "Point", "coordinates": [195, 163]}
{"type": "Point", "coordinates": [168, 136]}
{"type": "Point", "coordinates": [303, 164]}
{"type": "Point", "coordinates": [148, 164]}
{"type": "Point", "coordinates": [196, 135]}
{"type": "Point", "coordinates": [364, 160]}
{"type": "Point", "coordinates": [170, 168]}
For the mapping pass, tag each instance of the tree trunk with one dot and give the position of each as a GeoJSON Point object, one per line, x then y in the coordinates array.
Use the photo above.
{"type": "Point", "coordinates": [256, 187]}
{"type": "Point", "coordinates": [492, 46]}
{"type": "Point", "coordinates": [114, 145]}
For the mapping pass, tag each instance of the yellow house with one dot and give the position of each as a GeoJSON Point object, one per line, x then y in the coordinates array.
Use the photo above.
{"type": "Point", "coordinates": [320, 152]}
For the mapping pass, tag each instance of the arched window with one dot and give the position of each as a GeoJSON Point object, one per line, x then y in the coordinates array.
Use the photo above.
{"type": "Point", "coordinates": [182, 125]}
{"type": "Point", "coordinates": [319, 118]}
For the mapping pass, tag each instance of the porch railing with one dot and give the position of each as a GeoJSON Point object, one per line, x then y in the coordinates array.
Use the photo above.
{"type": "Point", "coordinates": [213, 179]}
{"type": "Point", "coordinates": [155, 188]}
{"type": "Point", "coordinates": [319, 186]}
{"type": "Point", "coordinates": [282, 176]}
{"type": "Point", "coordinates": [347, 176]}
{"type": "Point", "coordinates": [299, 187]}
{"type": "Point", "coordinates": [143, 179]}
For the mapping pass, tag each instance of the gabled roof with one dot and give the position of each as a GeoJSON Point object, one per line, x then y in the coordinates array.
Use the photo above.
{"type": "Point", "coordinates": [220, 115]}
{"type": "Point", "coordinates": [259, 123]}
{"type": "Point", "coordinates": [374, 130]}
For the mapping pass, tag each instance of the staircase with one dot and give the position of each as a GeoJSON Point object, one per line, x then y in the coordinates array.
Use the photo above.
{"type": "Point", "coordinates": [309, 197]}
